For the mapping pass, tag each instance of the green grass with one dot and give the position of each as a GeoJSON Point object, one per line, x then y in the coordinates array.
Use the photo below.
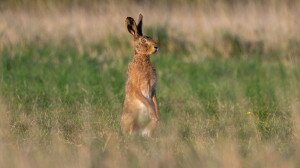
{"type": "Point", "coordinates": [57, 91]}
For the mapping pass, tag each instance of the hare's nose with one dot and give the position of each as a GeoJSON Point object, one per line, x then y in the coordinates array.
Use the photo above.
{"type": "Point", "coordinates": [156, 48]}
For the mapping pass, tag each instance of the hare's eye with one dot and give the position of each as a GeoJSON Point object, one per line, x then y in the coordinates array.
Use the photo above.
{"type": "Point", "coordinates": [143, 40]}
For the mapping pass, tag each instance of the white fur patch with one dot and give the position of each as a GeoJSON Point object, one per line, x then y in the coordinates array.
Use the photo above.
{"type": "Point", "coordinates": [146, 93]}
{"type": "Point", "coordinates": [143, 114]}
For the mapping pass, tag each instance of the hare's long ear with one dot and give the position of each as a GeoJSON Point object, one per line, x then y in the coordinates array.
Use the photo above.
{"type": "Point", "coordinates": [131, 26]}
{"type": "Point", "coordinates": [140, 25]}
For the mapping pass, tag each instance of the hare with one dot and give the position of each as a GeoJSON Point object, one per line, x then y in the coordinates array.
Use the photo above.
{"type": "Point", "coordinates": [140, 109]}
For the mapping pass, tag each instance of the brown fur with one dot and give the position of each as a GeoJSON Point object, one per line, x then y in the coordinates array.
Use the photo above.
{"type": "Point", "coordinates": [140, 110]}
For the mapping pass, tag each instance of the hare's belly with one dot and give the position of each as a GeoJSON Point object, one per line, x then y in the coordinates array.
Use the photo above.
{"type": "Point", "coordinates": [143, 114]}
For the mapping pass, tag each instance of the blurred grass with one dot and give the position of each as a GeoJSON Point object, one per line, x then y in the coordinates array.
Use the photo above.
{"type": "Point", "coordinates": [205, 28]}
{"type": "Point", "coordinates": [76, 95]}
{"type": "Point", "coordinates": [91, 3]}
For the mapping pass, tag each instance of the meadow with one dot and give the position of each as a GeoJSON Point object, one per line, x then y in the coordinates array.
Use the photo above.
{"type": "Point", "coordinates": [228, 86]}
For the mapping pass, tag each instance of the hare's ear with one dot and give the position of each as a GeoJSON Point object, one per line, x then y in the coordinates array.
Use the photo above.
{"type": "Point", "coordinates": [140, 25]}
{"type": "Point", "coordinates": [131, 26]}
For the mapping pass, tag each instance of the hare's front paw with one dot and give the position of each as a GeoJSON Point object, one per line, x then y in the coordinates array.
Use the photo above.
{"type": "Point", "coordinates": [146, 133]}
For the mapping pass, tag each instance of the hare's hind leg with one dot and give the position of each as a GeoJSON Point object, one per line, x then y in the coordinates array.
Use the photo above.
{"type": "Point", "coordinates": [127, 123]}
{"type": "Point", "coordinates": [148, 131]}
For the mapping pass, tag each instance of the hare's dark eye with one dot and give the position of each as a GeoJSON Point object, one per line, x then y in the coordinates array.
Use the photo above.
{"type": "Point", "coordinates": [143, 40]}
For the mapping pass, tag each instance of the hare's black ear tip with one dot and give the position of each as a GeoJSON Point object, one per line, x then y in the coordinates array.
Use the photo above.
{"type": "Point", "coordinates": [140, 15]}
{"type": "Point", "coordinates": [129, 20]}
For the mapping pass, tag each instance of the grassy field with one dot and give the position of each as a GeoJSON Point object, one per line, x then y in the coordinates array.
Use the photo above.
{"type": "Point", "coordinates": [230, 99]}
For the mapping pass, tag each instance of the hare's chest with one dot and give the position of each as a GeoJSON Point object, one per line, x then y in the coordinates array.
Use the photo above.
{"type": "Point", "coordinates": [152, 79]}
{"type": "Point", "coordinates": [148, 83]}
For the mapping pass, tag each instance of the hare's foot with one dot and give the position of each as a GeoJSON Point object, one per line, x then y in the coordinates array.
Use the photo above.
{"type": "Point", "coordinates": [146, 132]}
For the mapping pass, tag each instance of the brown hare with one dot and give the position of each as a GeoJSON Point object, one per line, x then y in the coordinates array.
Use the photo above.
{"type": "Point", "coordinates": [140, 109]}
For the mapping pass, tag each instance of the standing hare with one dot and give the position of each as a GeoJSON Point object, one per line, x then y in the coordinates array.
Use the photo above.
{"type": "Point", "coordinates": [140, 109]}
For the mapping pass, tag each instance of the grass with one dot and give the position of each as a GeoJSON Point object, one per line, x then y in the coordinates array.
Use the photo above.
{"type": "Point", "coordinates": [60, 101]}
{"type": "Point", "coordinates": [261, 26]}
{"type": "Point", "coordinates": [228, 85]}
